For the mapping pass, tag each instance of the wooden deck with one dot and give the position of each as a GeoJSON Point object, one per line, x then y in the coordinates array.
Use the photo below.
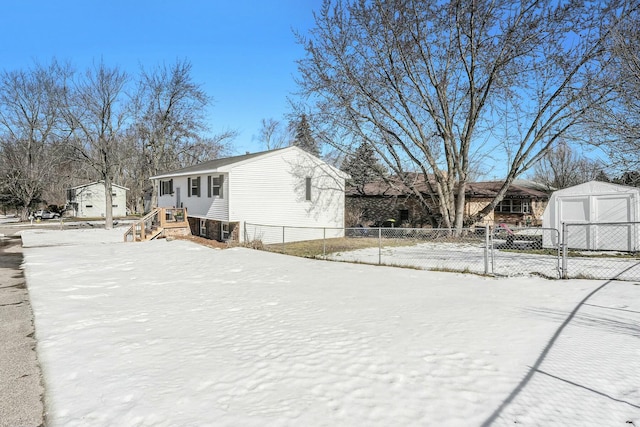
{"type": "Point", "coordinates": [160, 222]}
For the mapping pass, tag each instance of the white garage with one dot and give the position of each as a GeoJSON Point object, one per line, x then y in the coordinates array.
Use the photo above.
{"type": "Point", "coordinates": [601, 216]}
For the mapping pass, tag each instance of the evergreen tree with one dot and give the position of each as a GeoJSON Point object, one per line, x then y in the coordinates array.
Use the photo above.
{"type": "Point", "coordinates": [363, 166]}
{"type": "Point", "coordinates": [602, 176]}
{"type": "Point", "coordinates": [303, 137]}
{"type": "Point", "coordinates": [630, 178]}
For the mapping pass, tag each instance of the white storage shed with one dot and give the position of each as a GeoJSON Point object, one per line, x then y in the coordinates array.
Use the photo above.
{"type": "Point", "coordinates": [602, 216]}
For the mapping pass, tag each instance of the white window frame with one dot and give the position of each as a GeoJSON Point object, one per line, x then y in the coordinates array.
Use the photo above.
{"type": "Point", "coordinates": [216, 186]}
{"type": "Point", "coordinates": [203, 228]}
{"type": "Point", "coordinates": [506, 206]}
{"type": "Point", "coordinates": [194, 184]}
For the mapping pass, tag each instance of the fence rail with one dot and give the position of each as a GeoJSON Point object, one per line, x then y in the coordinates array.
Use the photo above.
{"type": "Point", "coordinates": [594, 251]}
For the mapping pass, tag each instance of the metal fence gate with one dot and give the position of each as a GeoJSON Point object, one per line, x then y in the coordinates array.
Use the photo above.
{"type": "Point", "coordinates": [525, 251]}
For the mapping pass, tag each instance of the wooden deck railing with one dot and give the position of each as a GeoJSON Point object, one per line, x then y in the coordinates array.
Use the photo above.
{"type": "Point", "coordinates": [155, 223]}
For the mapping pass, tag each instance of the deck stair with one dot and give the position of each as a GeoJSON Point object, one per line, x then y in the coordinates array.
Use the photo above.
{"type": "Point", "coordinates": [158, 223]}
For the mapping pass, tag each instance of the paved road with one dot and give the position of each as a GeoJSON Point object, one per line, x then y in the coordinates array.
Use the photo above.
{"type": "Point", "coordinates": [21, 390]}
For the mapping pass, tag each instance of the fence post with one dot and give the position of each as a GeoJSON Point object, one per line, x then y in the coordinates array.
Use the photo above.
{"type": "Point", "coordinates": [486, 249]}
{"type": "Point", "coordinates": [283, 248]}
{"type": "Point", "coordinates": [563, 246]}
{"type": "Point", "coordinates": [324, 242]}
{"type": "Point", "coordinates": [379, 245]}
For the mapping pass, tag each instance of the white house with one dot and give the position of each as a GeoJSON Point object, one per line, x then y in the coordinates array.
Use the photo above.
{"type": "Point", "coordinates": [253, 196]}
{"type": "Point", "coordinates": [599, 215]}
{"type": "Point", "coordinates": [88, 200]}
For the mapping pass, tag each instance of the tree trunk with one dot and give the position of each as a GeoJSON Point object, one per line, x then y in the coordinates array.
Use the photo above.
{"type": "Point", "coordinates": [108, 198]}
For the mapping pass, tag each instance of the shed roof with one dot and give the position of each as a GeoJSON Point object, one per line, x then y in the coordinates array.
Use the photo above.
{"type": "Point", "coordinates": [596, 187]}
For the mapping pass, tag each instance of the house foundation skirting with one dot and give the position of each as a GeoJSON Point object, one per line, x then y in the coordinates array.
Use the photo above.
{"type": "Point", "coordinates": [213, 229]}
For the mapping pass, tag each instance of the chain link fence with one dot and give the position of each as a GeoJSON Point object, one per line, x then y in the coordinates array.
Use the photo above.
{"type": "Point", "coordinates": [601, 251]}
{"type": "Point", "coordinates": [587, 251]}
{"type": "Point", "coordinates": [500, 251]}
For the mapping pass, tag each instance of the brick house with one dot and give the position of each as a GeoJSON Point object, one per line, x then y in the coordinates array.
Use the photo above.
{"type": "Point", "coordinates": [381, 203]}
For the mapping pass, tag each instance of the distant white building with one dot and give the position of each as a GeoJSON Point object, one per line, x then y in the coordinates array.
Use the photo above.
{"type": "Point", "coordinates": [285, 187]}
{"type": "Point", "coordinates": [88, 200]}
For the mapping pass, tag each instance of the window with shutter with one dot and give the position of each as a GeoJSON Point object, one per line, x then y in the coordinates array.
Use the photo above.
{"type": "Point", "coordinates": [216, 185]}
{"type": "Point", "coordinates": [166, 187]}
{"type": "Point", "coordinates": [193, 187]}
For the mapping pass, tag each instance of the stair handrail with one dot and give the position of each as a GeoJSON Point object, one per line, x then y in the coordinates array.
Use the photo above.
{"type": "Point", "coordinates": [140, 223]}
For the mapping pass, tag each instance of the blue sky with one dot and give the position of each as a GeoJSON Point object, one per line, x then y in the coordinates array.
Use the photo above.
{"type": "Point", "coordinates": [243, 52]}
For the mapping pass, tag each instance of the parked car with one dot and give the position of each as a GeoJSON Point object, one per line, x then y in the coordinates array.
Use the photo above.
{"type": "Point", "coordinates": [44, 214]}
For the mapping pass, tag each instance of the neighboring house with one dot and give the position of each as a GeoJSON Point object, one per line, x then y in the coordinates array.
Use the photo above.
{"type": "Point", "coordinates": [226, 198]}
{"type": "Point", "coordinates": [392, 202]}
{"type": "Point", "coordinates": [522, 205]}
{"type": "Point", "coordinates": [88, 200]}
{"type": "Point", "coordinates": [608, 209]}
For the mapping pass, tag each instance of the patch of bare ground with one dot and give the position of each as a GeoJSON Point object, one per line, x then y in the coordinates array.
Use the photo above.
{"type": "Point", "coordinates": [317, 248]}
{"type": "Point", "coordinates": [204, 242]}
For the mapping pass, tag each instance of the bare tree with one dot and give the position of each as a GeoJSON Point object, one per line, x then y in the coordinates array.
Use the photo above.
{"type": "Point", "coordinates": [430, 84]}
{"type": "Point", "coordinates": [169, 114]}
{"type": "Point", "coordinates": [616, 123]}
{"type": "Point", "coordinates": [562, 167]}
{"type": "Point", "coordinates": [273, 134]}
{"type": "Point", "coordinates": [30, 131]}
{"type": "Point", "coordinates": [96, 112]}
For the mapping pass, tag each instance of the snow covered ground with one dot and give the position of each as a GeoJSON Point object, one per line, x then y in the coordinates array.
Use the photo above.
{"type": "Point", "coordinates": [169, 333]}
{"type": "Point", "coordinates": [470, 257]}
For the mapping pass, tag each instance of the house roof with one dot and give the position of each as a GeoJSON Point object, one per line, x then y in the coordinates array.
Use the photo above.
{"type": "Point", "coordinates": [393, 186]}
{"type": "Point", "coordinates": [212, 165]}
{"type": "Point", "coordinates": [487, 189]}
{"type": "Point", "coordinates": [224, 164]}
{"type": "Point", "coordinates": [97, 182]}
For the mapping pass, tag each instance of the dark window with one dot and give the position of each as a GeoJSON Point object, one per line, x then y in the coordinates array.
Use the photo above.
{"type": "Point", "coordinates": [404, 215]}
{"type": "Point", "coordinates": [307, 189]}
{"type": "Point", "coordinates": [89, 206]}
{"type": "Point", "coordinates": [166, 187]}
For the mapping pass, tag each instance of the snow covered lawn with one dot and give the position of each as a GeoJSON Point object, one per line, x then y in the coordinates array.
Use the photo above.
{"type": "Point", "coordinates": [175, 334]}
{"type": "Point", "coordinates": [469, 257]}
